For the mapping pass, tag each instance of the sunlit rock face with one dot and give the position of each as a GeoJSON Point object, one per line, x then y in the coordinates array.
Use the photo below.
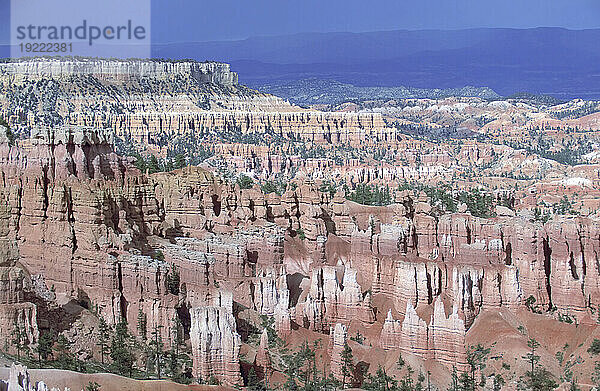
{"type": "Point", "coordinates": [337, 343]}
{"type": "Point", "coordinates": [442, 339]}
{"type": "Point", "coordinates": [215, 343]}
{"type": "Point", "coordinates": [67, 192]}
{"type": "Point", "coordinates": [331, 300]}
{"type": "Point", "coordinates": [118, 70]}
{"type": "Point", "coordinates": [79, 221]}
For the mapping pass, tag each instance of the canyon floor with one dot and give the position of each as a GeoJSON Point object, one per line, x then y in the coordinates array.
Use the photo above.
{"type": "Point", "coordinates": [160, 220]}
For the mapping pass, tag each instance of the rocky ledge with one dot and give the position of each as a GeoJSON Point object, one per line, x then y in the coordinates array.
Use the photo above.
{"type": "Point", "coordinates": [109, 238]}
{"type": "Point", "coordinates": [114, 69]}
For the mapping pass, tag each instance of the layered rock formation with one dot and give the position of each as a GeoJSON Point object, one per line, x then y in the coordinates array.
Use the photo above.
{"type": "Point", "coordinates": [188, 99]}
{"type": "Point", "coordinates": [330, 301]}
{"type": "Point", "coordinates": [484, 263]}
{"type": "Point", "coordinates": [221, 261]}
{"type": "Point", "coordinates": [66, 192]}
{"type": "Point", "coordinates": [442, 339]}
{"type": "Point", "coordinates": [446, 337]}
{"type": "Point", "coordinates": [271, 297]}
{"type": "Point", "coordinates": [263, 359]}
{"type": "Point", "coordinates": [337, 343]}
{"type": "Point", "coordinates": [313, 126]}
{"type": "Point", "coordinates": [119, 70]}
{"type": "Point", "coordinates": [18, 318]}
{"type": "Point", "coordinates": [215, 342]}
{"type": "Point", "coordinates": [409, 335]}
{"type": "Point", "coordinates": [18, 379]}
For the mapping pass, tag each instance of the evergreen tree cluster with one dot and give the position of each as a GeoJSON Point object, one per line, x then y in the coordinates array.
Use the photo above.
{"type": "Point", "coordinates": [303, 374]}
{"type": "Point", "coordinates": [245, 182]}
{"type": "Point", "coordinates": [153, 164]}
{"type": "Point", "coordinates": [537, 377]}
{"type": "Point", "coordinates": [9, 134]}
{"type": "Point", "coordinates": [302, 370]}
{"type": "Point", "coordinates": [328, 187]}
{"type": "Point", "coordinates": [277, 187]}
{"type": "Point", "coordinates": [586, 109]}
{"type": "Point", "coordinates": [369, 195]}
{"type": "Point", "coordinates": [479, 203]}
{"type": "Point", "coordinates": [120, 351]}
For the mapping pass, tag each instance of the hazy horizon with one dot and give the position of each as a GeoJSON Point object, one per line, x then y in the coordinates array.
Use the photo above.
{"type": "Point", "coordinates": [234, 20]}
{"type": "Point", "coordinates": [300, 33]}
{"type": "Point", "coordinates": [508, 46]}
{"type": "Point", "coordinates": [227, 20]}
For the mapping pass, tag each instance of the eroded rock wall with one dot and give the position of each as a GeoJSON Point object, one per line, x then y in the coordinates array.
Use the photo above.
{"type": "Point", "coordinates": [215, 344]}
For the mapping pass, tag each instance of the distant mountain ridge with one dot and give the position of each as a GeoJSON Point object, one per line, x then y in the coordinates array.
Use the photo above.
{"type": "Point", "coordinates": [318, 91]}
{"type": "Point", "coordinates": [553, 61]}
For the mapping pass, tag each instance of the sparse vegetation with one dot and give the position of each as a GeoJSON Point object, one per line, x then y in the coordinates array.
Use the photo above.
{"type": "Point", "coordinates": [276, 187]}
{"type": "Point", "coordinates": [479, 203]}
{"type": "Point", "coordinates": [142, 324]}
{"type": "Point", "coordinates": [301, 371]}
{"type": "Point", "coordinates": [531, 306]}
{"type": "Point", "coordinates": [537, 377]}
{"type": "Point", "coordinates": [369, 195]}
{"type": "Point", "coordinates": [459, 158]}
{"type": "Point", "coordinates": [18, 338]}
{"type": "Point", "coordinates": [594, 348]}
{"type": "Point", "coordinates": [327, 187]}
{"type": "Point", "coordinates": [10, 136]}
{"type": "Point", "coordinates": [347, 364]}
{"type": "Point", "coordinates": [586, 108]}
{"type": "Point", "coordinates": [173, 280]}
{"type": "Point", "coordinates": [245, 182]}
{"type": "Point", "coordinates": [92, 386]}
{"type": "Point", "coordinates": [358, 338]}
{"type": "Point", "coordinates": [121, 350]}
{"type": "Point", "coordinates": [540, 216]}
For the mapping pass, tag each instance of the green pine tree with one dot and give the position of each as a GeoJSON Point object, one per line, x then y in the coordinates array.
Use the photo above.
{"type": "Point", "coordinates": [173, 280]}
{"type": "Point", "coordinates": [594, 348]}
{"type": "Point", "coordinates": [142, 324]}
{"type": "Point", "coordinates": [174, 364]}
{"type": "Point", "coordinates": [381, 381]}
{"type": "Point", "coordinates": [18, 338]}
{"type": "Point", "coordinates": [157, 350]}
{"type": "Point", "coordinates": [176, 334]}
{"type": "Point", "coordinates": [531, 357]}
{"type": "Point", "coordinates": [9, 134]}
{"type": "Point", "coordinates": [347, 364]}
{"type": "Point", "coordinates": [120, 350]}
{"type": "Point", "coordinates": [420, 380]}
{"type": "Point", "coordinates": [466, 382]}
{"type": "Point", "coordinates": [454, 382]}
{"type": "Point", "coordinates": [64, 358]}
{"type": "Point", "coordinates": [245, 182]}
{"type": "Point", "coordinates": [400, 363]}
{"type": "Point", "coordinates": [476, 357]}
{"type": "Point", "coordinates": [44, 348]}
{"type": "Point", "coordinates": [179, 161]}
{"type": "Point", "coordinates": [140, 163]}
{"type": "Point", "coordinates": [103, 339]}
{"type": "Point", "coordinates": [153, 165]}
{"type": "Point", "coordinates": [536, 378]}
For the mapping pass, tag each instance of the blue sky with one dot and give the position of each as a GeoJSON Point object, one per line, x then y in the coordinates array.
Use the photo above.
{"type": "Point", "coordinates": [200, 20]}
{"type": "Point", "coordinates": [193, 20]}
